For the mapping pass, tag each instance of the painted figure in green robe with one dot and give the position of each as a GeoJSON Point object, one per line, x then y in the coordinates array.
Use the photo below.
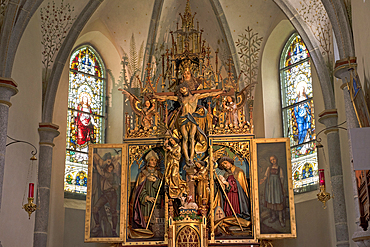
{"type": "Point", "coordinates": [144, 196]}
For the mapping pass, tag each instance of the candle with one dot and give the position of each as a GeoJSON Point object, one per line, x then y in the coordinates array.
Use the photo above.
{"type": "Point", "coordinates": [322, 177]}
{"type": "Point", "coordinates": [31, 189]}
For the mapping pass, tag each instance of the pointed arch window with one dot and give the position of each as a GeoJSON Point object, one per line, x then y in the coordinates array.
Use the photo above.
{"type": "Point", "coordinates": [86, 114]}
{"type": "Point", "coordinates": [298, 113]}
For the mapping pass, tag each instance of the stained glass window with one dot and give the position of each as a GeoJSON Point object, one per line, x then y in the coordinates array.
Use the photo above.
{"type": "Point", "coordinates": [298, 113]}
{"type": "Point", "coordinates": [86, 110]}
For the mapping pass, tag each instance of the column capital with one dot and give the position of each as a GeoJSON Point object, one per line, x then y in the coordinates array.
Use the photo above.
{"type": "Point", "coordinates": [8, 88]}
{"type": "Point", "coordinates": [47, 132]}
{"type": "Point", "coordinates": [329, 113]}
{"type": "Point", "coordinates": [342, 68]}
{"type": "Point", "coordinates": [330, 119]}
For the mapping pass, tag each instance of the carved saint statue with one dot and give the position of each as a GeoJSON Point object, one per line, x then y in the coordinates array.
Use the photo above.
{"type": "Point", "coordinates": [188, 78]}
{"type": "Point", "coordinates": [202, 178]}
{"type": "Point", "coordinates": [176, 185]}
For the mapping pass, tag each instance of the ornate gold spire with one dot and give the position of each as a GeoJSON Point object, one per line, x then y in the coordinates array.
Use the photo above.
{"type": "Point", "coordinates": [187, 19]}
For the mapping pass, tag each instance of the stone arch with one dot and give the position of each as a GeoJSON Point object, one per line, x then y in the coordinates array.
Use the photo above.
{"type": "Point", "coordinates": [327, 88]}
{"type": "Point", "coordinates": [342, 29]}
{"type": "Point", "coordinates": [18, 14]}
{"type": "Point", "coordinates": [62, 57]}
{"type": "Point", "coordinates": [313, 47]}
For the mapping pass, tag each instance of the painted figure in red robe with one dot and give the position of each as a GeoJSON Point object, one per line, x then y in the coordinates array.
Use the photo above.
{"type": "Point", "coordinates": [85, 121]}
{"type": "Point", "coordinates": [236, 188]}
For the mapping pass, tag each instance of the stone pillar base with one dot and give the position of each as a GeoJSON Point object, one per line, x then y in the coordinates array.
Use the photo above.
{"type": "Point", "coordinates": [361, 238]}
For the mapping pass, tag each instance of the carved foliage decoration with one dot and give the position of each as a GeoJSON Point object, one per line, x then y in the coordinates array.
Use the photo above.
{"type": "Point", "coordinates": [241, 148]}
{"type": "Point", "coordinates": [56, 21]}
{"type": "Point", "coordinates": [131, 65]}
{"type": "Point", "coordinates": [249, 51]}
{"type": "Point", "coordinates": [3, 5]}
{"type": "Point", "coordinates": [316, 17]}
{"type": "Point", "coordinates": [136, 152]}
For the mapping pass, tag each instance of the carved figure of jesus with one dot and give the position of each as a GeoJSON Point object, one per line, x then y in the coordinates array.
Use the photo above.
{"type": "Point", "coordinates": [187, 122]}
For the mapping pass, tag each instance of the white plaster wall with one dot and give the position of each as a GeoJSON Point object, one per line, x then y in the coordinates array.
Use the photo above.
{"type": "Point", "coordinates": [124, 18]}
{"type": "Point", "coordinates": [258, 15]}
{"type": "Point", "coordinates": [64, 220]}
{"type": "Point", "coordinates": [270, 79]}
{"type": "Point", "coordinates": [74, 229]}
{"type": "Point", "coordinates": [312, 228]}
{"type": "Point", "coordinates": [361, 35]}
{"type": "Point", "coordinates": [309, 211]}
{"type": "Point", "coordinates": [267, 94]}
{"type": "Point", "coordinates": [24, 116]}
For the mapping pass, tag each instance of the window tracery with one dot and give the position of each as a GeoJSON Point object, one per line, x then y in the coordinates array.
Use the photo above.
{"type": "Point", "coordinates": [298, 113]}
{"type": "Point", "coordinates": [85, 117]}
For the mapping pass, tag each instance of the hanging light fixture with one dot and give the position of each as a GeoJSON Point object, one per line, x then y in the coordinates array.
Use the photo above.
{"type": "Point", "coordinates": [323, 196]}
{"type": "Point", "coordinates": [29, 207]}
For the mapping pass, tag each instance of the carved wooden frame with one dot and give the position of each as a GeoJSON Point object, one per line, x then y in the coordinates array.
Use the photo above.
{"type": "Point", "coordinates": [241, 145]}
{"type": "Point", "coordinates": [272, 146]}
{"type": "Point", "coordinates": [89, 196]}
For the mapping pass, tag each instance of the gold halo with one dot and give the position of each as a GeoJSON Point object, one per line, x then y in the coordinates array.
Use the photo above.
{"type": "Point", "coordinates": [84, 94]}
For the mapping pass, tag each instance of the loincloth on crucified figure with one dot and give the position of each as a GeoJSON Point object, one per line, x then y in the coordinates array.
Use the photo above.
{"type": "Point", "coordinates": [194, 139]}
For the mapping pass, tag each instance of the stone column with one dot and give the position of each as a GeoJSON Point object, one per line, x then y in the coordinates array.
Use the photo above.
{"type": "Point", "coordinates": [47, 132]}
{"type": "Point", "coordinates": [341, 71]}
{"type": "Point", "coordinates": [330, 119]}
{"type": "Point", "coordinates": [8, 88]}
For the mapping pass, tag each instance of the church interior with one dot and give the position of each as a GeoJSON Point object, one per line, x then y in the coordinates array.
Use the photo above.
{"type": "Point", "coordinates": [187, 100]}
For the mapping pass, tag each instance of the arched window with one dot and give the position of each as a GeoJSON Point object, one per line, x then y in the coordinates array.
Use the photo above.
{"type": "Point", "coordinates": [298, 113]}
{"type": "Point", "coordinates": [86, 111]}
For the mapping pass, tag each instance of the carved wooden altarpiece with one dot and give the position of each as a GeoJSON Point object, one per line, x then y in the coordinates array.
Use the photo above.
{"type": "Point", "coordinates": [186, 172]}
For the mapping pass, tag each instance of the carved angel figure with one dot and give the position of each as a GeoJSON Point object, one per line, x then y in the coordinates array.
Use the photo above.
{"type": "Point", "coordinates": [146, 113]}
{"type": "Point", "coordinates": [231, 111]}
{"type": "Point", "coordinates": [231, 107]}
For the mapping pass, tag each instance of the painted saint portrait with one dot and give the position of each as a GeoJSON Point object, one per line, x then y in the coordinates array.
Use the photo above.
{"type": "Point", "coordinates": [104, 192]}
{"type": "Point", "coordinates": [146, 202]}
{"type": "Point", "coordinates": [232, 204]}
{"type": "Point", "coordinates": [274, 182]}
